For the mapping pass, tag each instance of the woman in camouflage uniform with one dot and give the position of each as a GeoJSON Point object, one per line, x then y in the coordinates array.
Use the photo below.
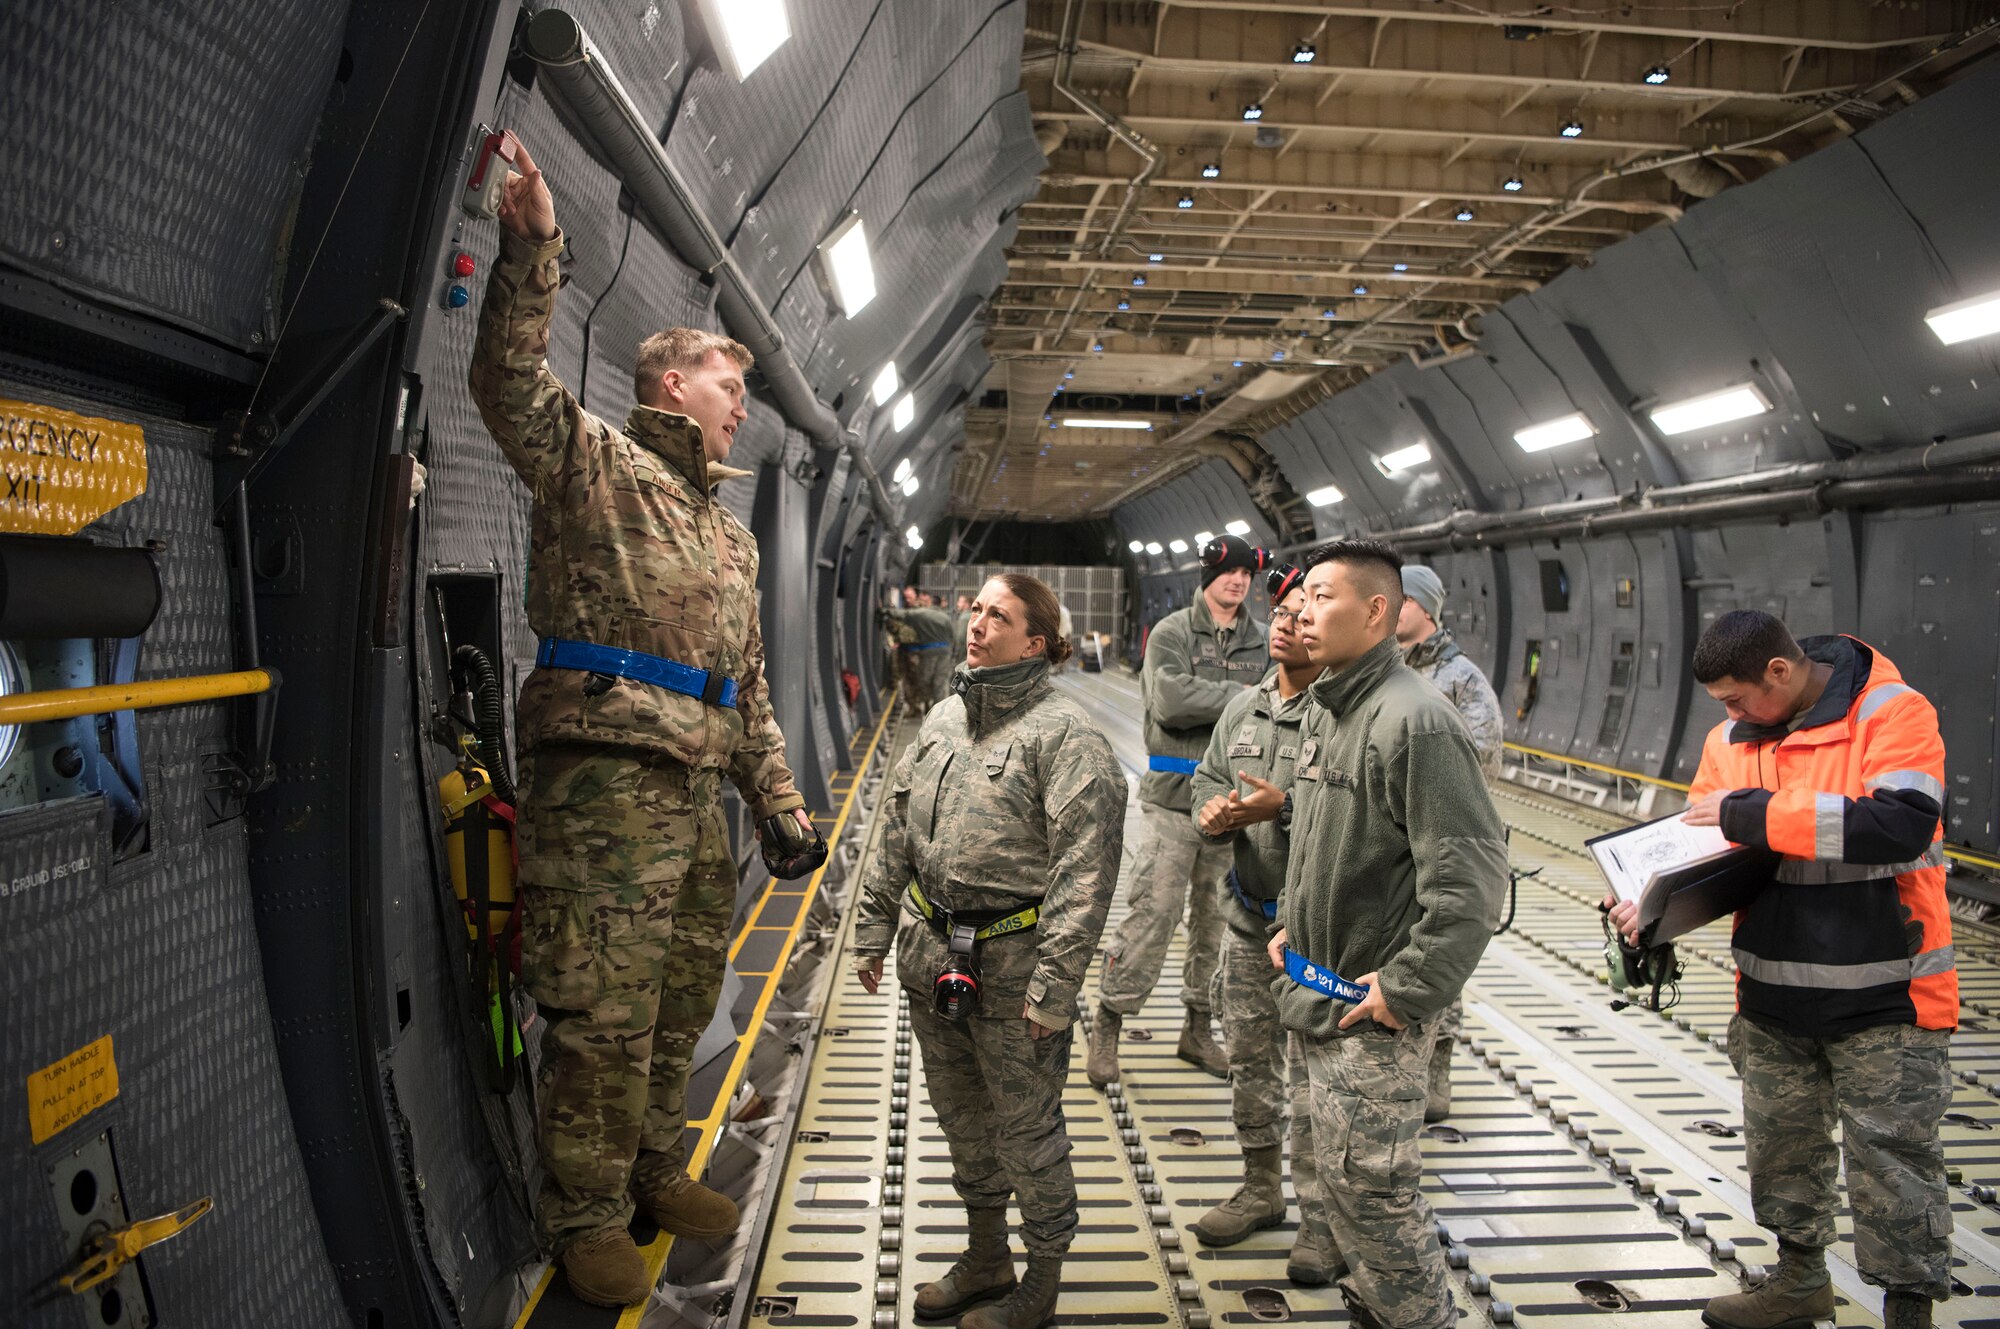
{"type": "Point", "coordinates": [1005, 827]}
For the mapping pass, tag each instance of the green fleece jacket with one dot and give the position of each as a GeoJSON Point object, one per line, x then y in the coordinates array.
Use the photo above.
{"type": "Point", "coordinates": [1398, 865]}
{"type": "Point", "coordinates": [1258, 733]}
{"type": "Point", "coordinates": [1193, 669]}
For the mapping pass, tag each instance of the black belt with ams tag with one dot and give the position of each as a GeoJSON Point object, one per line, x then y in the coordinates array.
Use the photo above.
{"type": "Point", "coordinates": [986, 924]}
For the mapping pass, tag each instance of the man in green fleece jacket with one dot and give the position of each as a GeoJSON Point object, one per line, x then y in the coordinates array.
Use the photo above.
{"type": "Point", "coordinates": [1392, 891]}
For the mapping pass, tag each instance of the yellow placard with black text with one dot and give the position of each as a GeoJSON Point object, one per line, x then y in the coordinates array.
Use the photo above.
{"type": "Point", "coordinates": [60, 471]}
{"type": "Point", "coordinates": [62, 1094]}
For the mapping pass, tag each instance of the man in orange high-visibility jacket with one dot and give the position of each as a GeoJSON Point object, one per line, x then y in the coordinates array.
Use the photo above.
{"type": "Point", "coordinates": [1847, 991]}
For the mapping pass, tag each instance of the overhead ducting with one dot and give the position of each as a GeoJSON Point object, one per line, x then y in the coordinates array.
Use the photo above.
{"type": "Point", "coordinates": [578, 75]}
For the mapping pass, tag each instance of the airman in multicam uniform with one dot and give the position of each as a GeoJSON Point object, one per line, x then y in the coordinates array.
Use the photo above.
{"type": "Point", "coordinates": [649, 691]}
{"type": "Point", "coordinates": [1430, 649]}
{"type": "Point", "coordinates": [1003, 833]}
{"type": "Point", "coordinates": [1198, 659]}
{"type": "Point", "coordinates": [1257, 741]}
{"type": "Point", "coordinates": [923, 640]}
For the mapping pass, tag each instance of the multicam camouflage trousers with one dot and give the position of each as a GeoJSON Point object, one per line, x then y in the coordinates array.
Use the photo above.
{"type": "Point", "coordinates": [1176, 870]}
{"type": "Point", "coordinates": [997, 1092]}
{"type": "Point", "coordinates": [1364, 1094]}
{"type": "Point", "coordinates": [1888, 1087]}
{"type": "Point", "coordinates": [628, 887]}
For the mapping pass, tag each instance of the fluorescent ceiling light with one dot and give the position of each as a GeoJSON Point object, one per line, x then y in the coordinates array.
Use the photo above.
{"type": "Point", "coordinates": [1202, 537]}
{"type": "Point", "coordinates": [1137, 546]}
{"type": "Point", "coordinates": [746, 32]}
{"type": "Point", "coordinates": [886, 384]}
{"type": "Point", "coordinates": [1402, 459]}
{"type": "Point", "coordinates": [848, 268]}
{"type": "Point", "coordinates": [1237, 527]}
{"type": "Point", "coordinates": [1325, 496]}
{"type": "Point", "coordinates": [1569, 429]}
{"type": "Point", "coordinates": [1153, 547]}
{"type": "Point", "coordinates": [1711, 408]}
{"type": "Point", "coordinates": [910, 487]}
{"type": "Point", "coordinates": [1178, 546]}
{"type": "Point", "coordinates": [903, 469]}
{"type": "Point", "coordinates": [1103, 422]}
{"type": "Point", "coordinates": [1977, 317]}
{"type": "Point", "coordinates": [906, 411]}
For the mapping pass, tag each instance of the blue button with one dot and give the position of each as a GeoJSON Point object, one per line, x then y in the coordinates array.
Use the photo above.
{"type": "Point", "coordinates": [458, 297]}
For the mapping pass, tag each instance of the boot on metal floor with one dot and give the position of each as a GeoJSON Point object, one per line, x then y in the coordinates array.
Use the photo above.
{"type": "Point", "coordinates": [683, 1206]}
{"type": "Point", "coordinates": [1257, 1204]}
{"type": "Point", "coordinates": [984, 1272]}
{"type": "Point", "coordinates": [605, 1268]}
{"type": "Point", "coordinates": [1314, 1262]}
{"type": "Point", "coordinates": [1906, 1310]}
{"type": "Point", "coordinates": [1029, 1306]}
{"type": "Point", "coordinates": [1792, 1296]}
{"type": "Point", "coordinates": [1102, 1064]}
{"type": "Point", "coordinates": [1198, 1045]}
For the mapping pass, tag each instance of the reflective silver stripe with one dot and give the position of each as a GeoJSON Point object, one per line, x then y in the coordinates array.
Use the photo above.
{"type": "Point", "coordinates": [1923, 782]}
{"type": "Point", "coordinates": [1807, 872]}
{"type": "Point", "coordinates": [1829, 827]}
{"type": "Point", "coordinates": [1879, 698]}
{"type": "Point", "coordinates": [1801, 974]}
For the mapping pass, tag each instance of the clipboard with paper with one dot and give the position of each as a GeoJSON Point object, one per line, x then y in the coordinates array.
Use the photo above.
{"type": "Point", "coordinates": [1680, 876]}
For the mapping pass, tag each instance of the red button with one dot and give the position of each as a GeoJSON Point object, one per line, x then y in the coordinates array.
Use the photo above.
{"type": "Point", "coordinates": [462, 266]}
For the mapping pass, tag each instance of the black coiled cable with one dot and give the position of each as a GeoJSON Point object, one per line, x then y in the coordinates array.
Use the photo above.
{"type": "Point", "coordinates": [488, 716]}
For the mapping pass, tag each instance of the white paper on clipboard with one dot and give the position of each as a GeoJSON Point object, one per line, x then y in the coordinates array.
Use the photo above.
{"type": "Point", "coordinates": [1630, 859]}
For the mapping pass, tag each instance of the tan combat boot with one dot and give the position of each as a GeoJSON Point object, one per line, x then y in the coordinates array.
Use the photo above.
{"type": "Point", "coordinates": [984, 1272]}
{"type": "Point", "coordinates": [1198, 1045]}
{"type": "Point", "coordinates": [1792, 1296]}
{"type": "Point", "coordinates": [1258, 1203]}
{"type": "Point", "coordinates": [1906, 1310]}
{"type": "Point", "coordinates": [681, 1205]}
{"type": "Point", "coordinates": [605, 1268]}
{"type": "Point", "coordinates": [1437, 1103]}
{"type": "Point", "coordinates": [1313, 1261]}
{"type": "Point", "coordinates": [1102, 1064]}
{"type": "Point", "coordinates": [1029, 1306]}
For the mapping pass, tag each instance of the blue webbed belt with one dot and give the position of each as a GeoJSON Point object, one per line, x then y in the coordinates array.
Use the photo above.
{"type": "Point", "coordinates": [928, 646]}
{"type": "Point", "coordinates": [1321, 979]}
{"type": "Point", "coordinates": [710, 687]}
{"type": "Point", "coordinates": [1172, 765]}
{"type": "Point", "coordinates": [1268, 908]}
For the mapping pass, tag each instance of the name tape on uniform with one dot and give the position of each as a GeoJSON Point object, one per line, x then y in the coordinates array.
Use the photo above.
{"type": "Point", "coordinates": [60, 471]}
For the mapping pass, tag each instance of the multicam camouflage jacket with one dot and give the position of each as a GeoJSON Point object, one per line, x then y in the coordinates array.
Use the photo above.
{"type": "Point", "coordinates": [918, 627]}
{"type": "Point", "coordinates": [1439, 659]}
{"type": "Point", "coordinates": [1258, 733]}
{"type": "Point", "coordinates": [628, 547]}
{"type": "Point", "coordinates": [1009, 796]}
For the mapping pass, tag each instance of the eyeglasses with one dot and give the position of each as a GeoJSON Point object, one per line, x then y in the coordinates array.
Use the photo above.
{"type": "Point", "coordinates": [1281, 615]}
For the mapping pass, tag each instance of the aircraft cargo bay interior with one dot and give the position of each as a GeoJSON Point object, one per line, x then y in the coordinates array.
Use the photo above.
{"type": "Point", "coordinates": [710, 664]}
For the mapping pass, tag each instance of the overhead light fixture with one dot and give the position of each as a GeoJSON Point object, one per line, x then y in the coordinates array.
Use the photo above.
{"type": "Point", "coordinates": [1235, 364]}
{"type": "Point", "coordinates": [1068, 374]}
{"type": "Point", "coordinates": [1124, 305]}
{"type": "Point", "coordinates": [1237, 527]}
{"type": "Point", "coordinates": [1202, 537]}
{"type": "Point", "coordinates": [902, 473]}
{"type": "Point", "coordinates": [1303, 53]}
{"type": "Point", "coordinates": [1572, 128]}
{"type": "Point", "coordinates": [1569, 429]}
{"type": "Point", "coordinates": [906, 411]}
{"type": "Point", "coordinates": [1137, 546]}
{"type": "Point", "coordinates": [1103, 422]}
{"type": "Point", "coordinates": [1327, 312]}
{"type": "Point", "coordinates": [746, 32]}
{"type": "Point", "coordinates": [910, 487]}
{"type": "Point", "coordinates": [1977, 317]}
{"type": "Point", "coordinates": [1184, 201]}
{"type": "Point", "coordinates": [1253, 110]}
{"type": "Point", "coordinates": [1514, 184]}
{"type": "Point", "coordinates": [1325, 496]}
{"type": "Point", "coordinates": [1156, 258]}
{"type": "Point", "coordinates": [1212, 171]}
{"type": "Point", "coordinates": [1277, 355]}
{"type": "Point", "coordinates": [1399, 267]}
{"type": "Point", "coordinates": [1139, 280]}
{"type": "Point", "coordinates": [886, 384]}
{"type": "Point", "coordinates": [1359, 289]}
{"type": "Point", "coordinates": [1712, 408]}
{"type": "Point", "coordinates": [1657, 75]}
{"type": "Point", "coordinates": [1177, 546]}
{"type": "Point", "coordinates": [1097, 347]}
{"type": "Point", "coordinates": [848, 268]}
{"type": "Point", "coordinates": [1464, 212]}
{"type": "Point", "coordinates": [1153, 547]}
{"type": "Point", "coordinates": [1402, 459]}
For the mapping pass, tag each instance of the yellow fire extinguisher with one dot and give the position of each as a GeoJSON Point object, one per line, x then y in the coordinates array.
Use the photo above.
{"type": "Point", "coordinates": [479, 846]}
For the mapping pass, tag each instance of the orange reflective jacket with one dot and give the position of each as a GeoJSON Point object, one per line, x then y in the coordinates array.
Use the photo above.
{"type": "Point", "coordinates": [1853, 931]}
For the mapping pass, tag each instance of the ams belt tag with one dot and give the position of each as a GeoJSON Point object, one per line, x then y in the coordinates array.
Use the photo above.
{"type": "Point", "coordinates": [1321, 979]}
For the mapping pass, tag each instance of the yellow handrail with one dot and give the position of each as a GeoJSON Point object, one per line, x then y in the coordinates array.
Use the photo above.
{"type": "Point", "coordinates": [67, 703]}
{"type": "Point", "coordinates": [1962, 855]}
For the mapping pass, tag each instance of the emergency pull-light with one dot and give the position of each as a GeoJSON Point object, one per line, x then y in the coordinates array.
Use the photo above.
{"type": "Point", "coordinates": [488, 184]}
